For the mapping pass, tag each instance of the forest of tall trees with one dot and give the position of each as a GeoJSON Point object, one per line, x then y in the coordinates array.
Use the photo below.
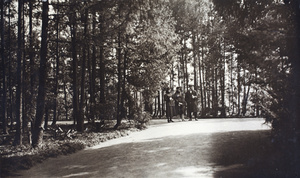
{"type": "Point", "coordinates": [86, 60]}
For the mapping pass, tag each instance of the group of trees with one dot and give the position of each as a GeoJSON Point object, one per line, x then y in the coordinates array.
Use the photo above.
{"type": "Point", "coordinates": [245, 59]}
{"type": "Point", "coordinates": [93, 60]}
{"type": "Point", "coordinates": [237, 52]}
{"type": "Point", "coordinates": [85, 60]}
{"type": "Point", "coordinates": [264, 36]}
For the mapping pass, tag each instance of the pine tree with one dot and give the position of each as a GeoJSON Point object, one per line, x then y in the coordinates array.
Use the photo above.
{"type": "Point", "coordinates": [37, 134]}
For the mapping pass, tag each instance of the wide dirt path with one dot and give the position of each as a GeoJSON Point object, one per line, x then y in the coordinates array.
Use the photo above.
{"type": "Point", "coordinates": [204, 148]}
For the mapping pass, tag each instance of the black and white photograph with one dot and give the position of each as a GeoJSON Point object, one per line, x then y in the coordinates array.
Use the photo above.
{"type": "Point", "coordinates": [150, 88]}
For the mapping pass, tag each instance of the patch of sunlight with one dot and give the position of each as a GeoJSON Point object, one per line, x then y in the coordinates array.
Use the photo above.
{"type": "Point", "coordinates": [113, 168]}
{"type": "Point", "coordinates": [193, 171]}
{"type": "Point", "coordinates": [75, 167]}
{"type": "Point", "coordinates": [164, 148]}
{"type": "Point", "coordinates": [80, 174]}
{"type": "Point", "coordinates": [160, 164]}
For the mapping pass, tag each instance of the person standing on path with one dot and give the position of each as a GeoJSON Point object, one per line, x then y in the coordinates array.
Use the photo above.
{"type": "Point", "coordinates": [170, 104]}
{"type": "Point", "coordinates": [191, 101]}
{"type": "Point", "coordinates": [179, 103]}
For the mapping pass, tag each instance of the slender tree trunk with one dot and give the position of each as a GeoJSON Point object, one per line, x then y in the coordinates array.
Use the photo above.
{"type": "Point", "coordinates": [56, 70]}
{"type": "Point", "coordinates": [158, 104]}
{"type": "Point", "coordinates": [182, 70]}
{"type": "Point", "coordinates": [102, 76]}
{"type": "Point", "coordinates": [245, 100]}
{"type": "Point", "coordinates": [31, 73]}
{"type": "Point", "coordinates": [200, 61]}
{"type": "Point", "coordinates": [66, 101]}
{"type": "Point", "coordinates": [239, 89]}
{"type": "Point", "coordinates": [93, 75]}
{"type": "Point", "coordinates": [10, 72]}
{"type": "Point", "coordinates": [163, 103]}
{"type": "Point", "coordinates": [4, 95]}
{"type": "Point", "coordinates": [232, 85]}
{"type": "Point", "coordinates": [80, 122]}
{"type": "Point", "coordinates": [195, 55]}
{"type": "Point", "coordinates": [208, 87]}
{"type": "Point", "coordinates": [119, 81]}
{"type": "Point", "coordinates": [46, 117]}
{"type": "Point", "coordinates": [216, 104]}
{"type": "Point", "coordinates": [256, 92]}
{"type": "Point", "coordinates": [123, 109]}
{"type": "Point", "coordinates": [102, 68]}
{"type": "Point", "coordinates": [172, 77]}
{"type": "Point", "coordinates": [223, 63]}
{"type": "Point", "coordinates": [244, 94]}
{"type": "Point", "coordinates": [73, 26]}
{"type": "Point", "coordinates": [89, 99]}
{"type": "Point", "coordinates": [214, 109]}
{"type": "Point", "coordinates": [155, 114]}
{"type": "Point", "coordinates": [37, 135]}
{"type": "Point", "coordinates": [223, 111]}
{"type": "Point", "coordinates": [25, 93]}
{"type": "Point", "coordinates": [204, 81]}
{"type": "Point", "coordinates": [18, 138]}
{"type": "Point", "coordinates": [186, 74]}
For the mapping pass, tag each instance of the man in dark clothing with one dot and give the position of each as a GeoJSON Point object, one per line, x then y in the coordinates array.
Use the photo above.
{"type": "Point", "coordinates": [179, 103]}
{"type": "Point", "coordinates": [191, 101]}
{"type": "Point", "coordinates": [170, 104]}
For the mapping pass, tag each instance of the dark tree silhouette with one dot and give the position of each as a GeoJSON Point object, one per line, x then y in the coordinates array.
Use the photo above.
{"type": "Point", "coordinates": [37, 135]}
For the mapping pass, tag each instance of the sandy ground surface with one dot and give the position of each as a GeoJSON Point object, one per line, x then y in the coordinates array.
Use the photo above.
{"type": "Point", "coordinates": [204, 148]}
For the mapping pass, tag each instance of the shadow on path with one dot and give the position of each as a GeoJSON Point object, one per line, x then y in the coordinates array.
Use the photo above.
{"type": "Point", "coordinates": [252, 154]}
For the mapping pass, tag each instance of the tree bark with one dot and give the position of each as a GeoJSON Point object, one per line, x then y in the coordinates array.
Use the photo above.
{"type": "Point", "coordinates": [31, 73]}
{"type": "Point", "coordinates": [102, 70]}
{"type": "Point", "coordinates": [4, 95]}
{"type": "Point", "coordinates": [18, 137]}
{"type": "Point", "coordinates": [214, 91]}
{"type": "Point", "coordinates": [223, 63]}
{"type": "Point", "coordinates": [73, 26]}
{"type": "Point", "coordinates": [239, 88]}
{"type": "Point", "coordinates": [102, 76]}
{"type": "Point", "coordinates": [37, 135]}
{"type": "Point", "coordinates": [158, 104]}
{"type": "Point", "coordinates": [204, 81]}
{"type": "Point", "coordinates": [208, 87]}
{"type": "Point", "coordinates": [123, 96]}
{"type": "Point", "coordinates": [46, 117]}
{"type": "Point", "coordinates": [66, 100]}
{"type": "Point", "coordinates": [200, 62]}
{"type": "Point", "coordinates": [10, 71]}
{"type": "Point", "coordinates": [92, 66]}
{"type": "Point", "coordinates": [195, 55]}
{"type": "Point", "coordinates": [231, 84]}
{"type": "Point", "coordinates": [119, 82]}
{"type": "Point", "coordinates": [25, 99]}
{"type": "Point", "coordinates": [80, 123]}
{"type": "Point", "coordinates": [56, 70]}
